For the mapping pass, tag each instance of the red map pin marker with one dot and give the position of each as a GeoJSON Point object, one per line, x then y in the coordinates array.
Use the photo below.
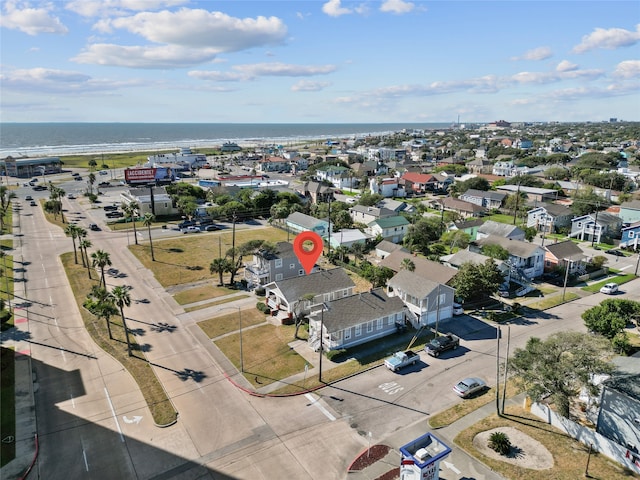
{"type": "Point", "coordinates": [307, 258]}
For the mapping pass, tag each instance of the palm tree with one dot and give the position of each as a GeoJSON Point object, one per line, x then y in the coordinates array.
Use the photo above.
{"type": "Point", "coordinates": [358, 250]}
{"type": "Point", "coordinates": [147, 221]}
{"type": "Point", "coordinates": [6, 196]}
{"type": "Point", "coordinates": [101, 259]}
{"type": "Point", "coordinates": [71, 230]}
{"type": "Point", "coordinates": [84, 244]}
{"type": "Point", "coordinates": [408, 264]}
{"type": "Point", "coordinates": [131, 211]}
{"type": "Point", "coordinates": [92, 180]}
{"type": "Point", "coordinates": [120, 296]}
{"type": "Point", "coordinates": [219, 266]}
{"type": "Point", "coordinates": [341, 251]}
{"type": "Point", "coordinates": [103, 305]}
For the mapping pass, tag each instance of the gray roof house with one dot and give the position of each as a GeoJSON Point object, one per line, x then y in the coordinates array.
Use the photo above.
{"type": "Point", "coordinates": [596, 226]}
{"type": "Point", "coordinates": [489, 199]}
{"type": "Point", "coordinates": [325, 286]}
{"type": "Point", "coordinates": [270, 266]}
{"type": "Point", "coordinates": [630, 211]}
{"type": "Point", "coordinates": [366, 215]}
{"type": "Point", "coordinates": [429, 301]}
{"type": "Point", "coordinates": [526, 260]}
{"type": "Point", "coordinates": [505, 230]}
{"type": "Point", "coordinates": [356, 319]}
{"type": "Point", "coordinates": [467, 256]}
{"type": "Point", "coordinates": [549, 217]}
{"type": "Point", "coordinates": [565, 253]}
{"type": "Point", "coordinates": [299, 222]}
{"type": "Point", "coordinates": [385, 247]}
{"type": "Point", "coordinates": [428, 269]}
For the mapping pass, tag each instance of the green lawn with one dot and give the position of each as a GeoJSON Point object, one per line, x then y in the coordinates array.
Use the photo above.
{"type": "Point", "coordinates": [198, 294]}
{"type": "Point", "coordinates": [619, 279]}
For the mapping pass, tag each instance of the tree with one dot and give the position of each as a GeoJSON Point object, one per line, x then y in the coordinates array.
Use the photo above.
{"type": "Point", "coordinates": [120, 296]}
{"type": "Point", "coordinates": [92, 179]}
{"type": "Point", "coordinates": [101, 304]}
{"type": "Point", "coordinates": [84, 245]}
{"type": "Point", "coordinates": [358, 249]}
{"type": "Point", "coordinates": [131, 210]}
{"type": "Point", "coordinates": [586, 201]}
{"type": "Point", "coordinates": [407, 264]}
{"type": "Point", "coordinates": [147, 221]}
{"type": "Point", "coordinates": [303, 301]}
{"type": "Point", "coordinates": [530, 233]}
{"type": "Point", "coordinates": [496, 251]}
{"type": "Point", "coordinates": [6, 196]}
{"type": "Point", "coordinates": [92, 164]}
{"type": "Point", "coordinates": [219, 266]}
{"type": "Point", "coordinates": [422, 233]}
{"type": "Point", "coordinates": [71, 230]}
{"type": "Point", "coordinates": [369, 199]}
{"type": "Point", "coordinates": [456, 238]}
{"type": "Point", "coordinates": [561, 366]}
{"type": "Point", "coordinates": [610, 318]}
{"type": "Point", "coordinates": [476, 281]}
{"type": "Point", "coordinates": [101, 259]}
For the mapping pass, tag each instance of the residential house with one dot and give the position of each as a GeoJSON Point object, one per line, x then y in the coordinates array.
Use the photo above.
{"type": "Point", "coordinates": [419, 183]}
{"type": "Point", "coordinates": [365, 169]}
{"type": "Point", "coordinates": [385, 247]}
{"type": "Point", "coordinates": [347, 237]}
{"type": "Point", "coordinates": [299, 222]}
{"type": "Point", "coordinates": [461, 257]}
{"type": "Point", "coordinates": [526, 260]}
{"type": "Point", "coordinates": [428, 269]}
{"type": "Point", "coordinates": [317, 192]}
{"type": "Point", "coordinates": [387, 187]}
{"type": "Point", "coordinates": [469, 226]}
{"type": "Point", "coordinates": [549, 217]}
{"type": "Point", "coordinates": [336, 175]}
{"type": "Point", "coordinates": [568, 188]}
{"type": "Point", "coordinates": [466, 209]}
{"type": "Point", "coordinates": [534, 194]}
{"type": "Point", "coordinates": [510, 232]}
{"type": "Point", "coordinates": [442, 181]}
{"type": "Point", "coordinates": [630, 211]}
{"type": "Point", "coordinates": [596, 227]}
{"type": "Point", "coordinates": [565, 255]}
{"type": "Point", "coordinates": [154, 200]}
{"type": "Point", "coordinates": [299, 293]}
{"type": "Point", "coordinates": [273, 164]}
{"type": "Point", "coordinates": [631, 236]}
{"type": "Point", "coordinates": [489, 199]}
{"type": "Point", "coordinates": [429, 301]}
{"type": "Point", "coordinates": [503, 169]}
{"type": "Point", "coordinates": [389, 228]}
{"type": "Point", "coordinates": [354, 320]}
{"type": "Point", "coordinates": [365, 214]}
{"type": "Point", "coordinates": [271, 266]}
{"type": "Point", "coordinates": [396, 205]}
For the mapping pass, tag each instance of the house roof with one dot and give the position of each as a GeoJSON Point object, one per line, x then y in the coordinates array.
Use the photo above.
{"type": "Point", "coordinates": [373, 211]}
{"type": "Point", "coordinates": [426, 269]}
{"type": "Point", "coordinates": [395, 205]}
{"type": "Point", "coordinates": [316, 283]}
{"type": "Point", "coordinates": [467, 256]}
{"type": "Point", "coordinates": [502, 229]}
{"type": "Point", "coordinates": [461, 205]}
{"type": "Point", "coordinates": [632, 226]}
{"type": "Point", "coordinates": [500, 196]}
{"type": "Point", "coordinates": [387, 246]}
{"type": "Point", "coordinates": [303, 220]}
{"type": "Point", "coordinates": [389, 222]}
{"type": "Point", "coordinates": [469, 224]}
{"type": "Point", "coordinates": [566, 249]}
{"type": "Point", "coordinates": [523, 189]}
{"type": "Point", "coordinates": [514, 247]}
{"type": "Point", "coordinates": [413, 284]}
{"type": "Point", "coordinates": [316, 187]}
{"type": "Point", "coordinates": [359, 308]}
{"type": "Point", "coordinates": [283, 250]}
{"type": "Point", "coordinates": [631, 205]}
{"type": "Point", "coordinates": [415, 177]}
{"type": "Point", "coordinates": [555, 209]}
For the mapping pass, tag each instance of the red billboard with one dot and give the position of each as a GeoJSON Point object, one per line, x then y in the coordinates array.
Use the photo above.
{"type": "Point", "coordinates": [139, 175]}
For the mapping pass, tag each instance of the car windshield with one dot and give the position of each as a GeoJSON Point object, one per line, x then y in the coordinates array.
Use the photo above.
{"type": "Point", "coordinates": [463, 386]}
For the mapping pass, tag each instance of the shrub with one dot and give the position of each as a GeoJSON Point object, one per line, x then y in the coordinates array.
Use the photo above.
{"type": "Point", "coordinates": [262, 307]}
{"type": "Point", "coordinates": [260, 291]}
{"type": "Point", "coordinates": [499, 442]}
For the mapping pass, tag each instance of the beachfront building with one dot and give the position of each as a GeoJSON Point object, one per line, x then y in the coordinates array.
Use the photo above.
{"type": "Point", "coordinates": [30, 167]}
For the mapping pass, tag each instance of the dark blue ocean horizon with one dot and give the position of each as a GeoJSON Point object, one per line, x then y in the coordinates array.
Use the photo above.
{"type": "Point", "coordinates": [59, 139]}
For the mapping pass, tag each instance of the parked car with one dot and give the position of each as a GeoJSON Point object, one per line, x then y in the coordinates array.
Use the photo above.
{"type": "Point", "coordinates": [104, 172]}
{"type": "Point", "coordinates": [75, 174]}
{"type": "Point", "coordinates": [467, 387]}
{"type": "Point", "coordinates": [401, 359]}
{"type": "Point", "coordinates": [191, 229]}
{"type": "Point", "coordinates": [28, 197]}
{"type": "Point", "coordinates": [609, 288]}
{"type": "Point", "coordinates": [33, 203]}
{"type": "Point", "coordinates": [77, 179]}
{"type": "Point", "coordinates": [617, 253]}
{"type": "Point", "coordinates": [94, 227]}
{"type": "Point", "coordinates": [442, 343]}
{"type": "Point", "coordinates": [107, 208]}
{"type": "Point", "coordinates": [210, 228]}
{"type": "Point", "coordinates": [71, 196]}
{"type": "Point", "coordinates": [104, 184]}
{"type": "Point", "coordinates": [115, 214]}
{"type": "Point", "coordinates": [457, 309]}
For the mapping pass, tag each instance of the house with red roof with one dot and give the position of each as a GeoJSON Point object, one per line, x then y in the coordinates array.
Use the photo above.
{"type": "Point", "coordinates": [419, 182]}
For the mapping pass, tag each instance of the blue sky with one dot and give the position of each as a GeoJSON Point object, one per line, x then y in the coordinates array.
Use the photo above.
{"type": "Point", "coordinates": [318, 61]}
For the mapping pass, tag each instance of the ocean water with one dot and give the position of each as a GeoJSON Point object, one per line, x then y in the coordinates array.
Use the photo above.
{"type": "Point", "coordinates": [59, 139]}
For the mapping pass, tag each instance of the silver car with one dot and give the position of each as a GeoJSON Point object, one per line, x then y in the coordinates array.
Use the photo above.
{"type": "Point", "coordinates": [467, 387]}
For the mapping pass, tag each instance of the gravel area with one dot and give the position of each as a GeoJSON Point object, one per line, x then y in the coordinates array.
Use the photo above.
{"type": "Point", "coordinates": [525, 452]}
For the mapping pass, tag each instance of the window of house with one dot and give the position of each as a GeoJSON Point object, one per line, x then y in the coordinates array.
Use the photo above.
{"type": "Point", "coordinates": [370, 326]}
{"type": "Point", "coordinates": [278, 276]}
{"type": "Point", "coordinates": [358, 330]}
{"type": "Point", "coordinates": [380, 323]}
{"type": "Point", "coordinates": [632, 234]}
{"type": "Point", "coordinates": [292, 266]}
{"type": "Point", "coordinates": [278, 263]}
{"type": "Point", "coordinates": [579, 224]}
{"type": "Point", "coordinates": [442, 298]}
{"type": "Point", "coordinates": [300, 272]}
{"type": "Point", "coordinates": [326, 297]}
{"type": "Point", "coordinates": [345, 292]}
{"type": "Point", "coordinates": [347, 334]}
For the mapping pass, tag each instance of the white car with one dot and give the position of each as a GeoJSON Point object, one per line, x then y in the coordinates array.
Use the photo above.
{"type": "Point", "coordinates": [609, 288]}
{"type": "Point", "coordinates": [191, 230]}
{"type": "Point", "coordinates": [457, 309]}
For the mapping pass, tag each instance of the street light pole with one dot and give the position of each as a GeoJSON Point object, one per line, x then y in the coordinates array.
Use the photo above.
{"type": "Point", "coordinates": [566, 277]}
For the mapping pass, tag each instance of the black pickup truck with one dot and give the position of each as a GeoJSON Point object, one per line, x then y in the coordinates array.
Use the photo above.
{"type": "Point", "coordinates": [442, 343]}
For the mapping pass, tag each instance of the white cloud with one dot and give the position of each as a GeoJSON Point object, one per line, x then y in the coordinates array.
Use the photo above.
{"type": "Point", "coordinates": [540, 53]}
{"type": "Point", "coordinates": [308, 86]}
{"type": "Point", "coordinates": [396, 6]}
{"type": "Point", "coordinates": [168, 57]}
{"type": "Point", "coordinates": [628, 69]}
{"type": "Point", "coordinates": [334, 8]}
{"type": "Point", "coordinates": [46, 80]}
{"type": "Point", "coordinates": [216, 76]}
{"type": "Point", "coordinates": [96, 8]}
{"type": "Point", "coordinates": [32, 21]}
{"type": "Point", "coordinates": [566, 66]}
{"type": "Point", "coordinates": [252, 71]}
{"type": "Point", "coordinates": [203, 29]}
{"type": "Point", "coordinates": [552, 77]}
{"type": "Point", "coordinates": [609, 39]}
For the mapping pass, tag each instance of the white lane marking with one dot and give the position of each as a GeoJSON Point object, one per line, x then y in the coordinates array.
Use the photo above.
{"type": "Point", "coordinates": [113, 413]}
{"type": "Point", "coordinates": [73, 401]}
{"type": "Point", "coordinates": [628, 266]}
{"type": "Point", "coordinates": [451, 467]}
{"type": "Point", "coordinates": [315, 403]}
{"type": "Point", "coordinates": [86, 463]}
{"type": "Point", "coordinates": [62, 353]}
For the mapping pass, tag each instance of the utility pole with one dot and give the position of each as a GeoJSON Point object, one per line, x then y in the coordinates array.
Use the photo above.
{"type": "Point", "coordinates": [515, 210]}
{"type": "Point", "coordinates": [498, 371]}
{"type": "Point", "coordinates": [233, 241]}
{"type": "Point", "coordinates": [567, 264]}
{"type": "Point", "coordinates": [595, 225]}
